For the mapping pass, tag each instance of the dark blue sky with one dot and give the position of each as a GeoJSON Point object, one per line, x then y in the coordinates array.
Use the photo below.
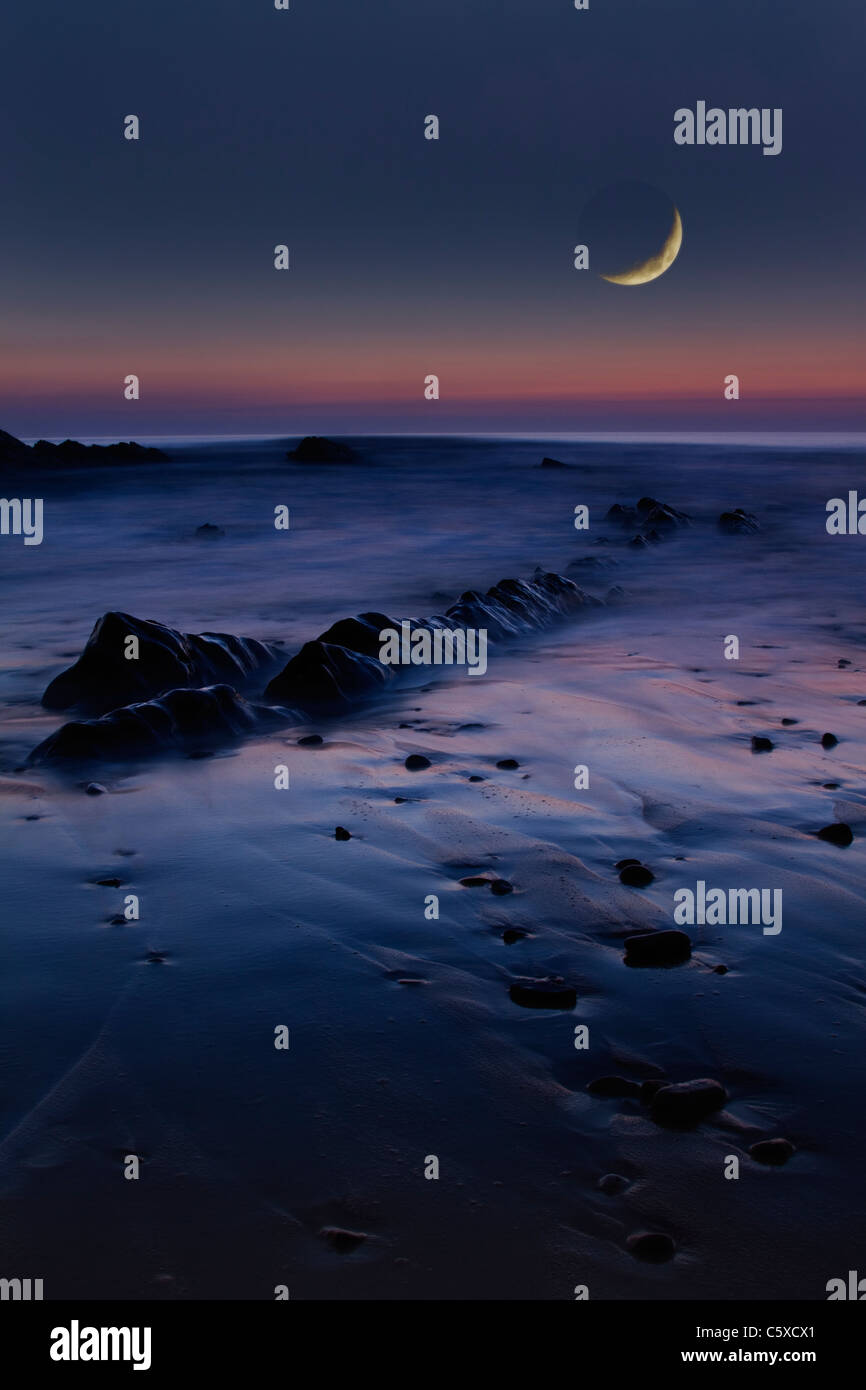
{"type": "Point", "coordinates": [409, 256]}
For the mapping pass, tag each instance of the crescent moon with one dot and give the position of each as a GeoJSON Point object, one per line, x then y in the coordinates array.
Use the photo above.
{"type": "Point", "coordinates": [645, 271]}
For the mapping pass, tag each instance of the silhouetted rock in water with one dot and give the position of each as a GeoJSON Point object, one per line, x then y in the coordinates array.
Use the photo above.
{"type": "Point", "coordinates": [342, 1241]}
{"type": "Point", "coordinates": [315, 449]}
{"type": "Point", "coordinates": [552, 463]}
{"type": "Point", "coordinates": [43, 454]}
{"type": "Point", "coordinates": [613, 1087]}
{"type": "Point", "coordinates": [640, 542]}
{"type": "Point", "coordinates": [416, 762]}
{"type": "Point", "coordinates": [103, 679]}
{"type": "Point", "coordinates": [500, 887]}
{"type": "Point", "coordinates": [359, 634]}
{"type": "Point", "coordinates": [12, 450]}
{"type": "Point", "coordinates": [788, 722]}
{"type": "Point", "coordinates": [174, 722]}
{"type": "Point", "coordinates": [508, 764]}
{"type": "Point", "coordinates": [687, 1102]}
{"type": "Point", "coordinates": [648, 1090]}
{"type": "Point", "coordinates": [543, 994]}
{"type": "Point", "coordinates": [327, 677]}
{"type": "Point", "coordinates": [593, 562]}
{"type": "Point", "coordinates": [772, 1151]}
{"type": "Point", "coordinates": [624, 863]}
{"type": "Point", "coordinates": [653, 1246]}
{"type": "Point", "coordinates": [655, 513]}
{"type": "Point", "coordinates": [739, 523]}
{"type": "Point", "coordinates": [613, 1184]}
{"type": "Point", "coordinates": [209, 532]}
{"type": "Point", "coordinates": [95, 789]}
{"type": "Point", "coordinates": [657, 948]}
{"type": "Point", "coordinates": [341, 833]}
{"type": "Point", "coordinates": [837, 834]}
{"type": "Point", "coordinates": [761, 744]}
{"type": "Point", "coordinates": [635, 875]}
{"type": "Point", "coordinates": [829, 740]}
{"type": "Point", "coordinates": [310, 741]}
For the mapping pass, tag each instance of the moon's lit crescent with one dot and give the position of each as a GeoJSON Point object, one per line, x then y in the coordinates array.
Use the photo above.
{"type": "Point", "coordinates": [645, 271]}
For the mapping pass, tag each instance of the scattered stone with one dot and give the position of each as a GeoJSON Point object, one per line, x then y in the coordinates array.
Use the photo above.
{"type": "Point", "coordinates": [543, 994]}
{"type": "Point", "coordinates": [829, 740]}
{"type": "Point", "coordinates": [118, 920]}
{"type": "Point", "coordinates": [508, 764]}
{"type": "Point", "coordinates": [109, 882]}
{"type": "Point", "coordinates": [720, 970]}
{"type": "Point", "coordinates": [652, 1246]}
{"type": "Point", "coordinates": [790, 721]}
{"type": "Point", "coordinates": [761, 744]}
{"type": "Point", "coordinates": [477, 882]}
{"type": "Point", "coordinates": [687, 1102]}
{"type": "Point", "coordinates": [668, 947]}
{"type": "Point", "coordinates": [416, 762]}
{"type": "Point", "coordinates": [837, 834]}
{"type": "Point", "coordinates": [739, 523]}
{"type": "Point", "coordinates": [310, 741]}
{"type": "Point", "coordinates": [831, 786]}
{"type": "Point", "coordinates": [341, 833]}
{"type": "Point", "coordinates": [623, 863]}
{"type": "Point", "coordinates": [552, 463]}
{"type": "Point", "coordinates": [152, 957]}
{"type": "Point", "coordinates": [341, 1240]}
{"type": "Point", "coordinates": [613, 1184]}
{"type": "Point", "coordinates": [636, 876]}
{"type": "Point", "coordinates": [842, 663]}
{"type": "Point", "coordinates": [640, 542]}
{"type": "Point", "coordinates": [476, 778]}
{"type": "Point", "coordinates": [209, 532]}
{"type": "Point", "coordinates": [613, 1087]}
{"type": "Point", "coordinates": [400, 800]}
{"type": "Point", "coordinates": [95, 789]}
{"type": "Point", "coordinates": [772, 1151]}
{"type": "Point", "coordinates": [512, 934]}
{"type": "Point", "coordinates": [500, 886]}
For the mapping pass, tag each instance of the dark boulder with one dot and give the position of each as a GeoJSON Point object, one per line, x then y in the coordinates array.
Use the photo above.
{"type": "Point", "coordinates": [837, 834]}
{"type": "Point", "coordinates": [328, 677]}
{"type": "Point", "coordinates": [652, 1246]}
{"type": "Point", "coordinates": [552, 463]}
{"type": "Point", "coordinates": [635, 875]}
{"type": "Point", "coordinates": [103, 679]}
{"type": "Point", "coordinates": [738, 523]}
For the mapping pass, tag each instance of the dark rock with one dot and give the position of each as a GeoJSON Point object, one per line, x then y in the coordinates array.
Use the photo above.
{"type": "Point", "coordinates": [829, 740]}
{"type": "Point", "coordinates": [512, 934]}
{"type": "Point", "coordinates": [622, 516]}
{"type": "Point", "coordinates": [788, 722]}
{"type": "Point", "coordinates": [842, 663]}
{"type": "Point", "coordinates": [652, 1246]}
{"type": "Point", "coordinates": [359, 634]}
{"type": "Point", "coordinates": [95, 789]}
{"type": "Point", "coordinates": [657, 948]}
{"type": "Point", "coordinates": [109, 882]}
{"type": "Point", "coordinates": [176, 721]}
{"type": "Point", "coordinates": [552, 463]}
{"type": "Point", "coordinates": [636, 876]}
{"type": "Point", "coordinates": [508, 764]}
{"type": "Point", "coordinates": [543, 994]}
{"type": "Point", "coordinates": [344, 1242]}
{"type": "Point", "coordinates": [761, 744]}
{"type": "Point", "coordinates": [648, 1090]}
{"type": "Point", "coordinates": [772, 1151]}
{"type": "Point", "coordinates": [341, 833]}
{"type": "Point", "coordinates": [310, 741]}
{"type": "Point", "coordinates": [209, 532]}
{"type": "Point", "coordinates": [315, 449]}
{"type": "Point", "coordinates": [720, 969]}
{"type": "Point", "coordinates": [739, 523]}
{"type": "Point", "coordinates": [640, 542]}
{"type": "Point", "coordinates": [102, 678]}
{"type": "Point", "coordinates": [837, 834]}
{"type": "Point", "coordinates": [328, 677]}
{"type": "Point", "coordinates": [624, 863]}
{"type": "Point", "coordinates": [654, 513]}
{"type": "Point", "coordinates": [155, 957]}
{"type": "Point", "coordinates": [831, 786]}
{"type": "Point", "coordinates": [612, 1184]}
{"type": "Point", "coordinates": [476, 778]}
{"type": "Point", "coordinates": [613, 1087]}
{"type": "Point", "coordinates": [475, 882]}
{"type": "Point", "coordinates": [416, 762]}
{"type": "Point", "coordinates": [687, 1102]}
{"type": "Point", "coordinates": [500, 887]}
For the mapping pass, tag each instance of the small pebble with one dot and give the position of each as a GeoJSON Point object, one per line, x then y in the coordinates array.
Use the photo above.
{"type": "Point", "coordinates": [613, 1183]}
{"type": "Point", "coordinates": [342, 1241]}
{"type": "Point", "coordinates": [636, 876]}
{"type": "Point", "coordinates": [543, 994]}
{"type": "Point", "coordinates": [310, 741]}
{"type": "Point", "coordinates": [416, 762]}
{"type": "Point", "coordinates": [687, 1102]}
{"type": "Point", "coordinates": [790, 721]}
{"type": "Point", "coordinates": [657, 948]}
{"type": "Point", "coordinates": [512, 934]}
{"type": "Point", "coordinates": [341, 833]}
{"type": "Point", "coordinates": [652, 1246]}
{"type": "Point", "coordinates": [500, 886]}
{"type": "Point", "coordinates": [761, 744]}
{"type": "Point", "coordinates": [95, 789]}
{"type": "Point", "coordinates": [476, 778]}
{"type": "Point", "coordinates": [508, 764]}
{"type": "Point", "coordinates": [829, 740]}
{"type": "Point", "coordinates": [772, 1151]}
